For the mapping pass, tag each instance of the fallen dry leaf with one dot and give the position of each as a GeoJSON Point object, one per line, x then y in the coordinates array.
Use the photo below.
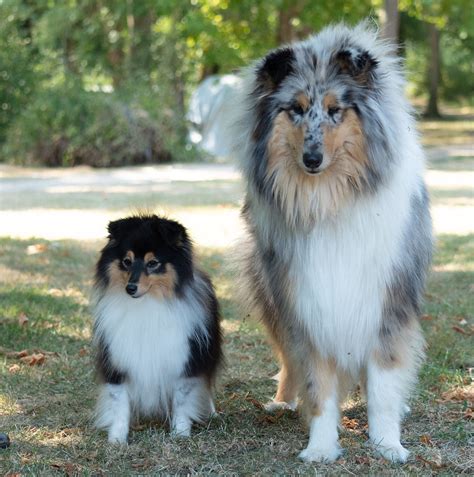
{"type": "Point", "coordinates": [67, 467]}
{"type": "Point", "coordinates": [469, 414]}
{"type": "Point", "coordinates": [252, 400]}
{"type": "Point", "coordinates": [14, 368]}
{"type": "Point", "coordinates": [362, 460]}
{"type": "Point", "coordinates": [350, 423]}
{"type": "Point", "coordinates": [463, 331]}
{"type": "Point", "coordinates": [427, 317]}
{"type": "Point", "coordinates": [426, 439]}
{"type": "Point", "coordinates": [25, 353]}
{"type": "Point", "coordinates": [465, 393]}
{"type": "Point", "coordinates": [35, 359]}
{"type": "Point", "coordinates": [23, 319]}
{"type": "Point", "coordinates": [83, 352]}
{"type": "Point", "coordinates": [431, 463]}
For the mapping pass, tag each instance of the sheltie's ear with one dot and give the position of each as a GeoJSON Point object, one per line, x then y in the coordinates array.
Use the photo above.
{"type": "Point", "coordinates": [118, 228]}
{"type": "Point", "coordinates": [359, 65]}
{"type": "Point", "coordinates": [275, 67]}
{"type": "Point", "coordinates": [172, 232]}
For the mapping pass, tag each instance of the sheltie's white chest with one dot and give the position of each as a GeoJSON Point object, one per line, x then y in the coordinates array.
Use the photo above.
{"type": "Point", "coordinates": [148, 340]}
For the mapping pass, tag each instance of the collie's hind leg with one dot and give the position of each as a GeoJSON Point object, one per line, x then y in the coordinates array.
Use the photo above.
{"type": "Point", "coordinates": [113, 412]}
{"type": "Point", "coordinates": [286, 395]}
{"type": "Point", "coordinates": [321, 403]}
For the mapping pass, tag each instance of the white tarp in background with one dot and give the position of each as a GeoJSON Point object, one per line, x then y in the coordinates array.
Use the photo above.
{"type": "Point", "coordinates": [208, 110]}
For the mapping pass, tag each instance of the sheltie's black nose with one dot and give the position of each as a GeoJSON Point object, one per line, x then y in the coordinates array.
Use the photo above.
{"type": "Point", "coordinates": [312, 160]}
{"type": "Point", "coordinates": [131, 288]}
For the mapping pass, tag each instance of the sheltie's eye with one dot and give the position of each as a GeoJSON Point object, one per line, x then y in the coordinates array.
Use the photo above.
{"type": "Point", "coordinates": [126, 262]}
{"type": "Point", "coordinates": [333, 110]}
{"type": "Point", "coordinates": [152, 264]}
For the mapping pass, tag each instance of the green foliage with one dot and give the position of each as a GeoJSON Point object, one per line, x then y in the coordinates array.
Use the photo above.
{"type": "Point", "coordinates": [17, 75]}
{"type": "Point", "coordinates": [149, 56]}
{"type": "Point", "coordinates": [455, 20]}
{"type": "Point", "coordinates": [66, 126]}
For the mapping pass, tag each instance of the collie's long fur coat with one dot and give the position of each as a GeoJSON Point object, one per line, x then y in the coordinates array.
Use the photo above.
{"type": "Point", "coordinates": [339, 229]}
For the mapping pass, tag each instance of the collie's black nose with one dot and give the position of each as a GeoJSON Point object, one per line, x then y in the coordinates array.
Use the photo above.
{"type": "Point", "coordinates": [312, 160]}
{"type": "Point", "coordinates": [131, 288]}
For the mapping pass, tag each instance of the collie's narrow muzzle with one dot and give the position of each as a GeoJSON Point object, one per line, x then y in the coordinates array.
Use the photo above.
{"type": "Point", "coordinates": [312, 160]}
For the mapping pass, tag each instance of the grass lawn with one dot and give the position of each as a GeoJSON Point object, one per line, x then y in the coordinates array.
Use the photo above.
{"type": "Point", "coordinates": [47, 393]}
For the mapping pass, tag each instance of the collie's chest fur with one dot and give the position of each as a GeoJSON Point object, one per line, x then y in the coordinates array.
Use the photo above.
{"type": "Point", "coordinates": [148, 341]}
{"type": "Point", "coordinates": [340, 270]}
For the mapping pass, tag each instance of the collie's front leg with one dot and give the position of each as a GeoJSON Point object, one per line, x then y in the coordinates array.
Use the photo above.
{"type": "Point", "coordinates": [321, 404]}
{"type": "Point", "coordinates": [386, 394]}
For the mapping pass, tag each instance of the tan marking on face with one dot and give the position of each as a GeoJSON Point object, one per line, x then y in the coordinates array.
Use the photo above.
{"type": "Point", "coordinates": [329, 101]}
{"type": "Point", "coordinates": [130, 255]}
{"type": "Point", "coordinates": [286, 141]}
{"type": "Point", "coordinates": [118, 278]}
{"type": "Point", "coordinates": [303, 101]}
{"type": "Point", "coordinates": [160, 285]}
{"type": "Point", "coordinates": [346, 141]}
{"type": "Point", "coordinates": [149, 256]}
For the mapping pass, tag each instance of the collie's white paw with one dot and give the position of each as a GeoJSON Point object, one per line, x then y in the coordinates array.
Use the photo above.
{"type": "Point", "coordinates": [274, 406]}
{"type": "Point", "coordinates": [117, 438]}
{"type": "Point", "coordinates": [319, 454]}
{"type": "Point", "coordinates": [406, 410]}
{"type": "Point", "coordinates": [394, 452]}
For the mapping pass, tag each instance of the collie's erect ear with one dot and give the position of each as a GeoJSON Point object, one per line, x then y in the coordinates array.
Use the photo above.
{"type": "Point", "coordinates": [359, 65]}
{"type": "Point", "coordinates": [275, 67]}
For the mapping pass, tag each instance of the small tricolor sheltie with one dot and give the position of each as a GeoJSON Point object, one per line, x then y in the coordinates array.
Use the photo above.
{"type": "Point", "coordinates": [339, 228]}
{"type": "Point", "coordinates": [156, 329]}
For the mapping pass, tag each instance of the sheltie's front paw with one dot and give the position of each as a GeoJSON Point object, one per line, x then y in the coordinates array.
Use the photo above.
{"type": "Point", "coordinates": [274, 406]}
{"type": "Point", "coordinates": [181, 429]}
{"type": "Point", "coordinates": [393, 453]}
{"type": "Point", "coordinates": [320, 454]}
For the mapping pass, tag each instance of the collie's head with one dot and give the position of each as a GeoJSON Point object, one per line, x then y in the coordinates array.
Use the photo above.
{"type": "Point", "coordinates": [323, 121]}
{"type": "Point", "coordinates": [145, 254]}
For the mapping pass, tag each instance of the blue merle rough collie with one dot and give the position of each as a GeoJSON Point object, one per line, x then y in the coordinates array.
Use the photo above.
{"type": "Point", "coordinates": [339, 229]}
{"type": "Point", "coordinates": [156, 328]}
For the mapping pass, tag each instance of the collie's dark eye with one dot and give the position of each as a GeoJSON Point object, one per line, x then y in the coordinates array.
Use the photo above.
{"type": "Point", "coordinates": [152, 264]}
{"type": "Point", "coordinates": [332, 111]}
{"type": "Point", "coordinates": [296, 108]}
{"type": "Point", "coordinates": [126, 262]}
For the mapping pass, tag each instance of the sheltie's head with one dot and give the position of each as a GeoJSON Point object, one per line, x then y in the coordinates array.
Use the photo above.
{"type": "Point", "coordinates": [145, 254]}
{"type": "Point", "coordinates": [322, 121]}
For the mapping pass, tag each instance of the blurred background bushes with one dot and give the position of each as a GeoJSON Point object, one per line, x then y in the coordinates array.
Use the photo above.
{"type": "Point", "coordinates": [106, 82]}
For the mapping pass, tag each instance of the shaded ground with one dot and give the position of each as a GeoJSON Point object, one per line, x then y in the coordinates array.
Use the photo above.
{"type": "Point", "coordinates": [45, 402]}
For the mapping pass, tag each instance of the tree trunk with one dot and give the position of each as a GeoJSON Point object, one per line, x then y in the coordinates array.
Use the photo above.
{"type": "Point", "coordinates": [391, 22]}
{"type": "Point", "coordinates": [433, 73]}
